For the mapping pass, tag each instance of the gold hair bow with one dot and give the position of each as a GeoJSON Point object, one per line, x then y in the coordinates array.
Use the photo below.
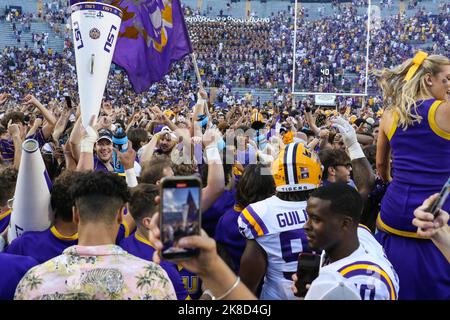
{"type": "Point", "coordinates": [417, 61]}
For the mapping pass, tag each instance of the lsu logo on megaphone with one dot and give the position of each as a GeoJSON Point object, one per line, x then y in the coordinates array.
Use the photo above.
{"type": "Point", "coordinates": [78, 38]}
{"type": "Point", "coordinates": [110, 39]}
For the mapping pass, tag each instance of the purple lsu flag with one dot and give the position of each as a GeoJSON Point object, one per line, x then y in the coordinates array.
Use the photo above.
{"type": "Point", "coordinates": [152, 36]}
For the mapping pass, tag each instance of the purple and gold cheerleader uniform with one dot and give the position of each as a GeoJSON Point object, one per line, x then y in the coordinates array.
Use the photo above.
{"type": "Point", "coordinates": [421, 166]}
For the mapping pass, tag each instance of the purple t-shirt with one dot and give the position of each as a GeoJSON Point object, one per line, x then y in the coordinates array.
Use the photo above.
{"type": "Point", "coordinates": [228, 235]}
{"type": "Point", "coordinates": [41, 245]}
{"type": "Point", "coordinates": [211, 216]}
{"type": "Point", "coordinates": [4, 220]}
{"type": "Point", "coordinates": [47, 244]}
{"type": "Point", "coordinates": [12, 269]}
{"type": "Point", "coordinates": [99, 165]}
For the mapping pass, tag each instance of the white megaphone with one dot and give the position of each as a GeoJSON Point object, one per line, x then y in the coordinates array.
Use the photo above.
{"type": "Point", "coordinates": [95, 29]}
{"type": "Point", "coordinates": [31, 209]}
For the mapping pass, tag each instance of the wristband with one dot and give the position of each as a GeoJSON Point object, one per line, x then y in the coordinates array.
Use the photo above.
{"type": "Point", "coordinates": [201, 100]}
{"type": "Point", "coordinates": [130, 178]}
{"type": "Point", "coordinates": [87, 145]}
{"type": "Point", "coordinates": [88, 141]}
{"type": "Point", "coordinates": [212, 153]}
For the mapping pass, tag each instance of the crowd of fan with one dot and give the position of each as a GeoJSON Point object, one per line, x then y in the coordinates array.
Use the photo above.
{"type": "Point", "coordinates": [259, 55]}
{"type": "Point", "coordinates": [338, 146]}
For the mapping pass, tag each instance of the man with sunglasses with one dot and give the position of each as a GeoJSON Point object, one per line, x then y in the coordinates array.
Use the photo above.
{"type": "Point", "coordinates": [337, 167]}
{"type": "Point", "coordinates": [349, 164]}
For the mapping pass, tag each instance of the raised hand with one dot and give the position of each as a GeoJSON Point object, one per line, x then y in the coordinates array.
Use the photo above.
{"type": "Point", "coordinates": [13, 129]}
{"type": "Point", "coordinates": [4, 97]}
{"type": "Point", "coordinates": [103, 123]}
{"type": "Point", "coordinates": [107, 108]}
{"type": "Point", "coordinates": [347, 131]}
{"type": "Point", "coordinates": [211, 137]}
{"type": "Point", "coordinates": [128, 157]}
{"type": "Point", "coordinates": [37, 122]}
{"type": "Point", "coordinates": [203, 94]}
{"type": "Point", "coordinates": [30, 100]}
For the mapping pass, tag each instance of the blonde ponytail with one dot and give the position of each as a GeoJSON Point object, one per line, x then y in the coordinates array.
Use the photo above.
{"type": "Point", "coordinates": [400, 95]}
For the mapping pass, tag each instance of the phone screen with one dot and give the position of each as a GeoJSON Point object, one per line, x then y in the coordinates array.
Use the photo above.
{"type": "Point", "coordinates": [439, 202]}
{"type": "Point", "coordinates": [180, 214]}
{"type": "Point", "coordinates": [307, 270]}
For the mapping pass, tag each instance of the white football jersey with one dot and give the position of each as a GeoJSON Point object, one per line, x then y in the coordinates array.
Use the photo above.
{"type": "Point", "coordinates": [277, 226]}
{"type": "Point", "coordinates": [368, 268]}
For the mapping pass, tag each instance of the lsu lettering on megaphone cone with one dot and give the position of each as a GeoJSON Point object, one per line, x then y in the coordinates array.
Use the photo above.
{"type": "Point", "coordinates": [95, 29]}
{"type": "Point", "coordinates": [31, 210]}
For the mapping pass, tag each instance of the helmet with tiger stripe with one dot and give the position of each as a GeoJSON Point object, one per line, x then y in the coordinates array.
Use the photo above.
{"type": "Point", "coordinates": [297, 168]}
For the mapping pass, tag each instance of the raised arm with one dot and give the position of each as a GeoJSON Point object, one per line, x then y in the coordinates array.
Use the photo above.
{"type": "Point", "coordinates": [364, 139]}
{"type": "Point", "coordinates": [75, 139]}
{"type": "Point", "coordinates": [362, 171]}
{"type": "Point", "coordinates": [51, 120]}
{"type": "Point", "coordinates": [161, 116]}
{"type": "Point", "coordinates": [89, 137]}
{"type": "Point", "coordinates": [217, 277]}
{"type": "Point", "coordinates": [60, 125]}
{"type": "Point", "coordinates": [149, 149]}
{"type": "Point", "coordinates": [14, 132]}
{"type": "Point", "coordinates": [216, 176]}
{"type": "Point", "coordinates": [35, 127]}
{"type": "Point", "coordinates": [311, 121]}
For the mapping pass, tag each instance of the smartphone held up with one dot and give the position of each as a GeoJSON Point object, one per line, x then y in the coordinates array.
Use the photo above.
{"type": "Point", "coordinates": [307, 270]}
{"type": "Point", "coordinates": [180, 214]}
{"type": "Point", "coordinates": [439, 202]}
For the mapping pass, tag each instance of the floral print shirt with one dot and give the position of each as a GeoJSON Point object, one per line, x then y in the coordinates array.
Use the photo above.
{"type": "Point", "coordinates": [104, 272]}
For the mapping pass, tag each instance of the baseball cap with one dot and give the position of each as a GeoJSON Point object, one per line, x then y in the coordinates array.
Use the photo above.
{"type": "Point", "coordinates": [158, 128]}
{"type": "Point", "coordinates": [166, 129]}
{"type": "Point", "coordinates": [104, 134]}
{"type": "Point", "coordinates": [332, 286]}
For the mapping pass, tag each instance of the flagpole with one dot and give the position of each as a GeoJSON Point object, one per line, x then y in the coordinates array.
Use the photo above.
{"type": "Point", "coordinates": [197, 72]}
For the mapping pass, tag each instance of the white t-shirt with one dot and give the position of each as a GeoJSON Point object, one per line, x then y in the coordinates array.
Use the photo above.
{"type": "Point", "coordinates": [277, 226]}
{"type": "Point", "coordinates": [367, 268]}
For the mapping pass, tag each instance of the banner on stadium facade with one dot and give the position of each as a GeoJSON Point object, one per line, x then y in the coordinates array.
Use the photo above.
{"type": "Point", "coordinates": [95, 29]}
{"type": "Point", "coordinates": [325, 100]}
{"type": "Point", "coordinates": [225, 19]}
{"type": "Point", "coordinates": [31, 210]}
